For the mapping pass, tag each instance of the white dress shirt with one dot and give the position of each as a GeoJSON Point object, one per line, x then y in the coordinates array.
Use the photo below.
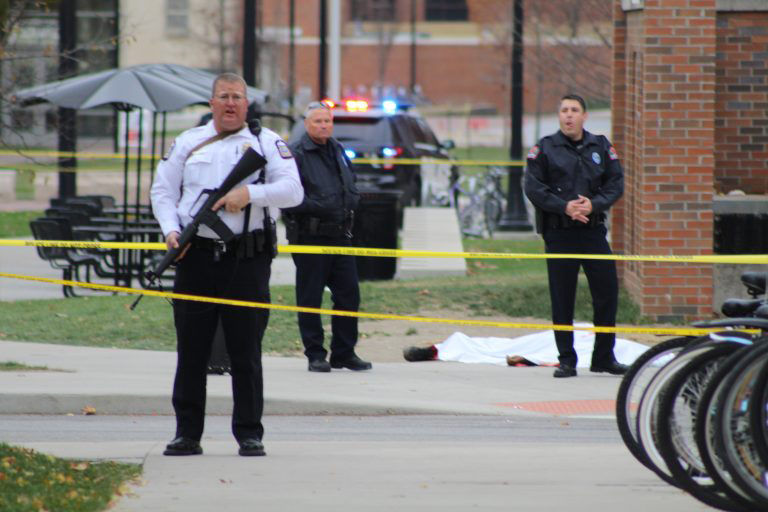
{"type": "Point", "coordinates": [181, 177]}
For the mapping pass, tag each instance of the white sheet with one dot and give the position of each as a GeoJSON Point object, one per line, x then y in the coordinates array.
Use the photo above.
{"type": "Point", "coordinates": [538, 348]}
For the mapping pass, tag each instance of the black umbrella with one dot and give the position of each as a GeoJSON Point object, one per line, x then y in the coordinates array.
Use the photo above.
{"type": "Point", "coordinates": [155, 87]}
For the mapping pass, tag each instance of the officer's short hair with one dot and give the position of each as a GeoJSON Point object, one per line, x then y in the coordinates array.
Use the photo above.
{"type": "Point", "coordinates": [575, 97]}
{"type": "Point", "coordinates": [315, 105]}
{"type": "Point", "coordinates": [230, 78]}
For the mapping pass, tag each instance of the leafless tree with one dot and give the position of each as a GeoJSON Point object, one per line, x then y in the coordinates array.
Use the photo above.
{"type": "Point", "coordinates": [565, 44]}
{"type": "Point", "coordinates": [29, 54]}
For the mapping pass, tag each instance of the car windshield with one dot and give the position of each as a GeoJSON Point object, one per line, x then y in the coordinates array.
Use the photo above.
{"type": "Point", "coordinates": [362, 129]}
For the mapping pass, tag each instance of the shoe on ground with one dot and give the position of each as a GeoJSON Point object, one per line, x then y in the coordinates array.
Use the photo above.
{"type": "Point", "coordinates": [564, 371]}
{"type": "Point", "coordinates": [183, 446]}
{"type": "Point", "coordinates": [319, 365]}
{"type": "Point", "coordinates": [218, 370]}
{"type": "Point", "coordinates": [251, 447]}
{"type": "Point", "coordinates": [414, 354]}
{"type": "Point", "coordinates": [614, 368]}
{"type": "Point", "coordinates": [352, 362]}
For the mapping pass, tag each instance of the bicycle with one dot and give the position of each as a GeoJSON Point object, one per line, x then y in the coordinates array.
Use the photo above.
{"type": "Point", "coordinates": [479, 201]}
{"type": "Point", "coordinates": [693, 410]}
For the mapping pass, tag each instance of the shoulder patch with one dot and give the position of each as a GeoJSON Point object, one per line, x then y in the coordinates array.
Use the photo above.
{"type": "Point", "coordinates": [533, 153]}
{"type": "Point", "coordinates": [282, 148]}
{"type": "Point", "coordinates": [170, 150]}
{"type": "Point", "coordinates": [612, 154]}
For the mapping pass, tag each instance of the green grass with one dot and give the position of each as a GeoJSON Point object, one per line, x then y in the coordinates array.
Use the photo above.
{"type": "Point", "coordinates": [15, 224]}
{"type": "Point", "coordinates": [32, 481]}
{"type": "Point", "coordinates": [514, 288]}
{"type": "Point", "coordinates": [13, 366]}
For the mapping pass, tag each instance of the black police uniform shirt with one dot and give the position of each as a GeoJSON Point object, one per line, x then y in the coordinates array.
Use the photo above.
{"type": "Point", "coordinates": [559, 170]}
{"type": "Point", "coordinates": [182, 176]}
{"type": "Point", "coordinates": [326, 175]}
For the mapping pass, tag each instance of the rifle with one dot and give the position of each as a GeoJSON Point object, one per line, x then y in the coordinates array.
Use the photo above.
{"type": "Point", "coordinates": [249, 163]}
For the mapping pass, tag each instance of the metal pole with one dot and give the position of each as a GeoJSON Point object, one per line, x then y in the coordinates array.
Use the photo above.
{"type": "Point", "coordinates": [292, 56]}
{"type": "Point", "coordinates": [413, 46]}
{"type": "Point", "coordinates": [322, 85]}
{"type": "Point", "coordinates": [515, 218]}
{"type": "Point", "coordinates": [249, 42]}
{"type": "Point", "coordinates": [334, 59]}
{"type": "Point", "coordinates": [67, 116]}
{"type": "Point", "coordinates": [138, 161]}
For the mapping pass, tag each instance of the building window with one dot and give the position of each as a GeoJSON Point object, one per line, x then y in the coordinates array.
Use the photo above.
{"type": "Point", "coordinates": [372, 10]}
{"type": "Point", "coordinates": [446, 10]}
{"type": "Point", "coordinates": [177, 17]}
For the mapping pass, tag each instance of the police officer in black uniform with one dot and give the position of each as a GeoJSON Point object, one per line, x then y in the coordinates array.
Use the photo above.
{"type": "Point", "coordinates": [325, 218]}
{"type": "Point", "coordinates": [572, 178]}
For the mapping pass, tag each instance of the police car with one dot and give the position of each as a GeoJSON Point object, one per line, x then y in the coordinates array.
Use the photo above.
{"type": "Point", "coordinates": [386, 130]}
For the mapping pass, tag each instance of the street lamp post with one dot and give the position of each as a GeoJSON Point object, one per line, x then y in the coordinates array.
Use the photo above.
{"type": "Point", "coordinates": [67, 116]}
{"type": "Point", "coordinates": [515, 217]}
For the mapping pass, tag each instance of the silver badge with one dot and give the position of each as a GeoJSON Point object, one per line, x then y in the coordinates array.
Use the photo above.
{"type": "Point", "coordinates": [596, 158]}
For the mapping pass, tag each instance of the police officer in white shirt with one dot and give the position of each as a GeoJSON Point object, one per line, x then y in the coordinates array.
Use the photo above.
{"type": "Point", "coordinates": [199, 160]}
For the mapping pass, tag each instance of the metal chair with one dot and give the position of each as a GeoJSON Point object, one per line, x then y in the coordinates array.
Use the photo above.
{"type": "Point", "coordinates": [69, 261]}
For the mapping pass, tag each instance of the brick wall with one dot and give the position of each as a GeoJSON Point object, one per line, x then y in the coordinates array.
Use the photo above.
{"type": "Point", "coordinates": [462, 63]}
{"type": "Point", "coordinates": [741, 151]}
{"type": "Point", "coordinates": [664, 100]}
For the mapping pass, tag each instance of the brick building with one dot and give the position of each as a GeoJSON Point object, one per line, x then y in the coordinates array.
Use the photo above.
{"type": "Point", "coordinates": [461, 48]}
{"type": "Point", "coordinates": [690, 98]}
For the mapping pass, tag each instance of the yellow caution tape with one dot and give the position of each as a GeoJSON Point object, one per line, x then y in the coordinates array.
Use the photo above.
{"type": "Point", "coordinates": [380, 161]}
{"type": "Point", "coordinates": [408, 253]}
{"type": "Point", "coordinates": [690, 331]}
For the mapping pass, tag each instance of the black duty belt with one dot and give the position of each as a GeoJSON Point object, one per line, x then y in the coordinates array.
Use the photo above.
{"type": "Point", "coordinates": [316, 226]}
{"type": "Point", "coordinates": [214, 244]}
{"type": "Point", "coordinates": [241, 246]}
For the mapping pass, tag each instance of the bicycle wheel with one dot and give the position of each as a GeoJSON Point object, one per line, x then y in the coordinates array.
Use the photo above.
{"type": "Point", "coordinates": [733, 434]}
{"type": "Point", "coordinates": [635, 381]}
{"type": "Point", "coordinates": [471, 221]}
{"type": "Point", "coordinates": [705, 431]}
{"type": "Point", "coordinates": [492, 213]}
{"type": "Point", "coordinates": [648, 409]}
{"type": "Point", "coordinates": [758, 414]}
{"type": "Point", "coordinates": [676, 427]}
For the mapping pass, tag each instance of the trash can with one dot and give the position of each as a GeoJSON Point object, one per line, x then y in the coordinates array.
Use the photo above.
{"type": "Point", "coordinates": [376, 226]}
{"type": "Point", "coordinates": [741, 233]}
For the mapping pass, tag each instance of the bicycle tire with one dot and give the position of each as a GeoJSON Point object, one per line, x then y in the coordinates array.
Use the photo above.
{"type": "Point", "coordinates": [676, 427]}
{"type": "Point", "coordinates": [471, 221]}
{"type": "Point", "coordinates": [647, 411]}
{"type": "Point", "coordinates": [705, 433]}
{"type": "Point", "coordinates": [758, 414]}
{"type": "Point", "coordinates": [492, 214]}
{"type": "Point", "coordinates": [734, 437]}
{"type": "Point", "coordinates": [637, 376]}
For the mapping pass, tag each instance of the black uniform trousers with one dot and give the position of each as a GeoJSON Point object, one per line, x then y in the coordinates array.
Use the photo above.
{"type": "Point", "coordinates": [339, 273]}
{"type": "Point", "coordinates": [603, 285]}
{"type": "Point", "coordinates": [244, 279]}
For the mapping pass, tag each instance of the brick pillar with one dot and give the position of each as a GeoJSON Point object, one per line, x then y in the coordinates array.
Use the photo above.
{"type": "Point", "coordinates": [665, 89]}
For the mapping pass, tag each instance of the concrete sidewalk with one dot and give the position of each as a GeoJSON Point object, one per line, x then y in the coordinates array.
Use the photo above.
{"type": "Point", "coordinates": [119, 381]}
{"type": "Point", "coordinates": [331, 474]}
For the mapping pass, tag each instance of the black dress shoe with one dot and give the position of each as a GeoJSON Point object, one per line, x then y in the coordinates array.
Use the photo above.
{"type": "Point", "coordinates": [352, 363]}
{"type": "Point", "coordinates": [183, 446]}
{"type": "Point", "coordinates": [319, 365]}
{"type": "Point", "coordinates": [563, 371]}
{"type": "Point", "coordinates": [251, 447]}
{"type": "Point", "coordinates": [614, 368]}
{"type": "Point", "coordinates": [414, 354]}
